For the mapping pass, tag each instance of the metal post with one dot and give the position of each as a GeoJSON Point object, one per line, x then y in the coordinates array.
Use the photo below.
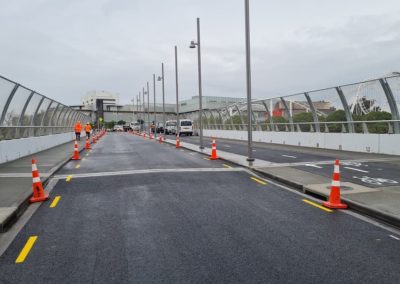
{"type": "Point", "coordinates": [248, 81]}
{"type": "Point", "coordinates": [154, 103]}
{"type": "Point", "coordinates": [177, 90]}
{"type": "Point", "coordinates": [144, 115]}
{"type": "Point", "coordinates": [163, 95]}
{"type": "Point", "coordinates": [200, 86]}
{"type": "Point", "coordinates": [148, 106]}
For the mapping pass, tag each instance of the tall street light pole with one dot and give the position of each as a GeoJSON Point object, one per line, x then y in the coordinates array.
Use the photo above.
{"type": "Point", "coordinates": [250, 158]}
{"type": "Point", "coordinates": [154, 103]}
{"type": "Point", "coordinates": [193, 45]}
{"type": "Point", "coordinates": [144, 115]}
{"type": "Point", "coordinates": [177, 90]}
{"type": "Point", "coordinates": [163, 95]}
{"type": "Point", "coordinates": [148, 107]}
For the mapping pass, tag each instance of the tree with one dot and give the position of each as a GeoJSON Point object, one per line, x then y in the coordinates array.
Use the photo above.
{"type": "Point", "coordinates": [279, 119]}
{"type": "Point", "coordinates": [304, 117]}
{"type": "Point", "coordinates": [121, 122]}
{"type": "Point", "coordinates": [377, 127]}
{"type": "Point", "coordinates": [338, 115]}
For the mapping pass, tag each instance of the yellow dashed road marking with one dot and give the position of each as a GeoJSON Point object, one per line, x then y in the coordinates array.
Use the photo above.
{"type": "Point", "coordinates": [27, 248]}
{"type": "Point", "coordinates": [317, 205]}
{"type": "Point", "coordinates": [68, 178]}
{"type": "Point", "coordinates": [227, 166]}
{"type": "Point", "coordinates": [259, 181]}
{"type": "Point", "coordinates": [55, 201]}
{"type": "Point", "coordinates": [78, 166]}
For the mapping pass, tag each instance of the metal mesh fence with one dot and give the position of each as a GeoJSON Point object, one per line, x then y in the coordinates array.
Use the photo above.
{"type": "Point", "coordinates": [365, 107]}
{"type": "Point", "coordinates": [26, 113]}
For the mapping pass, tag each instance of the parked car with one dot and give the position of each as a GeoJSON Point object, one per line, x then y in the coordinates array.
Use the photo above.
{"type": "Point", "coordinates": [118, 128]}
{"type": "Point", "coordinates": [135, 126]}
{"type": "Point", "coordinates": [160, 127]}
{"type": "Point", "coordinates": [170, 127]}
{"type": "Point", "coordinates": [185, 127]}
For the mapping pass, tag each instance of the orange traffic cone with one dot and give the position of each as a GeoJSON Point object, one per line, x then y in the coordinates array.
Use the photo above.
{"type": "Point", "coordinates": [151, 135]}
{"type": "Point", "coordinates": [87, 146]}
{"type": "Point", "coordinates": [178, 142]}
{"type": "Point", "coordinates": [94, 139]}
{"type": "Point", "coordinates": [38, 191]}
{"type": "Point", "coordinates": [161, 139]}
{"type": "Point", "coordinates": [76, 152]}
{"type": "Point", "coordinates": [334, 197]}
{"type": "Point", "coordinates": [214, 150]}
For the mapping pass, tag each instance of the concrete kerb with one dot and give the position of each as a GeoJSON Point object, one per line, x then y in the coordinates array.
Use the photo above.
{"type": "Point", "coordinates": [23, 205]}
{"type": "Point", "coordinates": [356, 206]}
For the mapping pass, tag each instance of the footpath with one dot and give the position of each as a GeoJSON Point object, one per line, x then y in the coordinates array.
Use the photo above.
{"type": "Point", "coordinates": [16, 179]}
{"type": "Point", "coordinates": [382, 203]}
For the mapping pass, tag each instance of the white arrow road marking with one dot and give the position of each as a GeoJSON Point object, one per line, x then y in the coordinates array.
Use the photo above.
{"type": "Point", "coordinates": [312, 165]}
{"type": "Point", "coordinates": [358, 170]}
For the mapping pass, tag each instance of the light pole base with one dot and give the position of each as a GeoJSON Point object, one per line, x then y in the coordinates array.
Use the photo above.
{"type": "Point", "coordinates": [250, 160]}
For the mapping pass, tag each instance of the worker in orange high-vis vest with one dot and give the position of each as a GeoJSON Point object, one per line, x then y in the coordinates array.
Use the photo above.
{"type": "Point", "coordinates": [78, 129]}
{"type": "Point", "coordinates": [88, 128]}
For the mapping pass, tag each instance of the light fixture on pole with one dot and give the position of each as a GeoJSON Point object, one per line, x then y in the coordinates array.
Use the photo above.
{"type": "Point", "coordinates": [250, 158]}
{"type": "Point", "coordinates": [161, 78]}
{"type": "Point", "coordinates": [193, 44]}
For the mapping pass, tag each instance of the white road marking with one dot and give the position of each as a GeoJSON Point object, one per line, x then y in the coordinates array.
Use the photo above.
{"type": "Point", "coordinates": [288, 156]}
{"type": "Point", "coordinates": [314, 166]}
{"type": "Point", "coordinates": [358, 170]}
{"type": "Point", "coordinates": [150, 171]}
{"type": "Point", "coordinates": [227, 146]}
{"type": "Point", "coordinates": [394, 237]}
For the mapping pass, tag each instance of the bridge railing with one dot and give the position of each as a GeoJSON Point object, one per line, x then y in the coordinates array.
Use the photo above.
{"type": "Point", "coordinates": [365, 127]}
{"type": "Point", "coordinates": [365, 107]}
{"type": "Point", "coordinates": [26, 113]}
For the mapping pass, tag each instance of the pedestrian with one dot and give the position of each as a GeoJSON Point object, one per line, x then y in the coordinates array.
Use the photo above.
{"type": "Point", "coordinates": [78, 129]}
{"type": "Point", "coordinates": [88, 128]}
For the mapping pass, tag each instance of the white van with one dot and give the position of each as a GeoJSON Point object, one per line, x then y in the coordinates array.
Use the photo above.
{"type": "Point", "coordinates": [185, 127]}
{"type": "Point", "coordinates": [135, 126]}
{"type": "Point", "coordinates": [170, 127]}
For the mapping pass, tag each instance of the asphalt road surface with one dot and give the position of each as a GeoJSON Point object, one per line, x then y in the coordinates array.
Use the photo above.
{"type": "Point", "coordinates": [136, 211]}
{"type": "Point", "coordinates": [361, 170]}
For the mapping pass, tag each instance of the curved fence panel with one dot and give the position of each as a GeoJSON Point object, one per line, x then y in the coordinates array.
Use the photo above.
{"type": "Point", "coordinates": [25, 113]}
{"type": "Point", "coordinates": [365, 107]}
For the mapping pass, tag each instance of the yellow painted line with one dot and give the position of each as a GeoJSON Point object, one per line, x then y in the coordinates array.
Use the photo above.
{"type": "Point", "coordinates": [78, 166]}
{"type": "Point", "coordinates": [83, 159]}
{"type": "Point", "coordinates": [206, 159]}
{"type": "Point", "coordinates": [68, 178]}
{"type": "Point", "coordinates": [27, 248]}
{"type": "Point", "coordinates": [227, 166]}
{"type": "Point", "coordinates": [317, 205]}
{"type": "Point", "coordinates": [259, 181]}
{"type": "Point", "coordinates": [87, 154]}
{"type": "Point", "coordinates": [55, 201]}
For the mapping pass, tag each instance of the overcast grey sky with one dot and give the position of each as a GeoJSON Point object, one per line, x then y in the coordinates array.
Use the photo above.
{"type": "Point", "coordinates": [64, 48]}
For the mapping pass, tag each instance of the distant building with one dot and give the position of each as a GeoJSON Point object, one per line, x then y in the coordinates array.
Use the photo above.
{"type": "Point", "coordinates": [209, 102]}
{"type": "Point", "coordinates": [109, 99]}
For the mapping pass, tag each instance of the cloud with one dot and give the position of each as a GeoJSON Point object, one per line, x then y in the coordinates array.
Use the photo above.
{"type": "Point", "coordinates": [65, 48]}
